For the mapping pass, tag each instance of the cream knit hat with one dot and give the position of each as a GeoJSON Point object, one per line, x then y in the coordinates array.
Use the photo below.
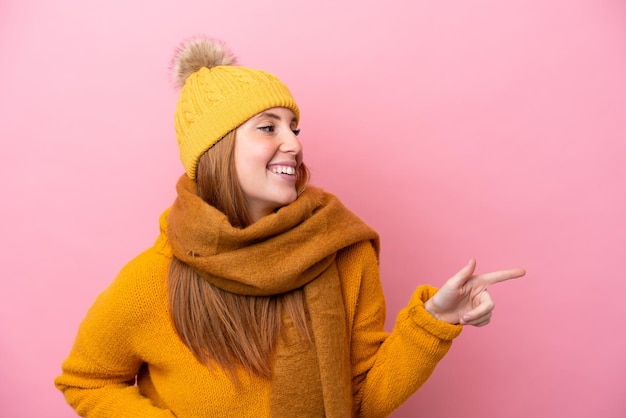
{"type": "Point", "coordinates": [217, 96]}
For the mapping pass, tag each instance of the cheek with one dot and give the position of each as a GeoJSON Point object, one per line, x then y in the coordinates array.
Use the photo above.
{"type": "Point", "coordinates": [253, 153]}
{"type": "Point", "coordinates": [250, 163]}
{"type": "Point", "coordinates": [258, 155]}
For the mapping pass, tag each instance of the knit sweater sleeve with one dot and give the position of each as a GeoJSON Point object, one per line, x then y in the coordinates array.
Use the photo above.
{"type": "Point", "coordinates": [388, 368]}
{"type": "Point", "coordinates": [98, 377]}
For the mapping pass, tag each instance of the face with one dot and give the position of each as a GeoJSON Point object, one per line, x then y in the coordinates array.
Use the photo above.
{"type": "Point", "coordinates": [267, 155]}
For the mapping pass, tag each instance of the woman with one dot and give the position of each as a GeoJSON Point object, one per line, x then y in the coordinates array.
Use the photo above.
{"type": "Point", "coordinates": [261, 296]}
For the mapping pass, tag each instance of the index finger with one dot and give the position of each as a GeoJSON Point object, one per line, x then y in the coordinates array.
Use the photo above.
{"type": "Point", "coordinates": [502, 275]}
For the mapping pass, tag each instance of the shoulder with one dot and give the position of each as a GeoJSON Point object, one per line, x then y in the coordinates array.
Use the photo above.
{"type": "Point", "coordinates": [360, 280]}
{"type": "Point", "coordinates": [140, 287]}
{"type": "Point", "coordinates": [358, 257]}
{"type": "Point", "coordinates": [149, 265]}
{"type": "Point", "coordinates": [145, 276]}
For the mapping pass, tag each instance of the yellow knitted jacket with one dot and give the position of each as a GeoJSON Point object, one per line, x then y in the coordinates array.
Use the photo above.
{"type": "Point", "coordinates": [127, 360]}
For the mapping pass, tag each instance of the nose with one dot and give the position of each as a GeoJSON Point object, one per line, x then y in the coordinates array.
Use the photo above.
{"type": "Point", "coordinates": [290, 143]}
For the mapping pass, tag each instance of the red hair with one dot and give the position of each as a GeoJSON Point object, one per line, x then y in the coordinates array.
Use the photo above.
{"type": "Point", "coordinates": [231, 330]}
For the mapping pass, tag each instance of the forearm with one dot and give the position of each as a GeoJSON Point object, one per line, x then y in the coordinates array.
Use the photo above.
{"type": "Point", "coordinates": [405, 359]}
{"type": "Point", "coordinates": [96, 386]}
{"type": "Point", "coordinates": [98, 376]}
{"type": "Point", "coordinates": [121, 401]}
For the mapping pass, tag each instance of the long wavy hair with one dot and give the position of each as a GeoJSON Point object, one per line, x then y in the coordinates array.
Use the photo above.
{"type": "Point", "coordinates": [229, 329]}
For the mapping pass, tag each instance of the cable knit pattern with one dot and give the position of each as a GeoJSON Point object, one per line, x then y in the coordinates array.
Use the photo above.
{"type": "Point", "coordinates": [215, 101]}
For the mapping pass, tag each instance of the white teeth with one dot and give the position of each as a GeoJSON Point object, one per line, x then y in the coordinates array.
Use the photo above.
{"type": "Point", "coordinates": [284, 170]}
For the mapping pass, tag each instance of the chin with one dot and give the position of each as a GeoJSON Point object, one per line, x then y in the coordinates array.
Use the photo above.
{"type": "Point", "coordinates": [287, 199]}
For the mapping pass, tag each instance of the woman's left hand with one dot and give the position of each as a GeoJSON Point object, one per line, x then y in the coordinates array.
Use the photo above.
{"type": "Point", "coordinates": [464, 299]}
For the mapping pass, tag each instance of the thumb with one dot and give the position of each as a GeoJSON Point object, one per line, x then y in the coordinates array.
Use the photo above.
{"type": "Point", "coordinates": [464, 274]}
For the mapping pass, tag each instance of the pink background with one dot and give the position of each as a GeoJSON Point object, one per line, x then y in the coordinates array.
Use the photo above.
{"type": "Point", "coordinates": [458, 129]}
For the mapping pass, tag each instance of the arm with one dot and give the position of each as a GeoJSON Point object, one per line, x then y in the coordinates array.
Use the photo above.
{"type": "Point", "coordinates": [388, 368]}
{"type": "Point", "coordinates": [98, 378]}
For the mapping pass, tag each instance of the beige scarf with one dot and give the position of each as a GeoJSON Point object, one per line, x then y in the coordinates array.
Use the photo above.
{"type": "Point", "coordinates": [292, 248]}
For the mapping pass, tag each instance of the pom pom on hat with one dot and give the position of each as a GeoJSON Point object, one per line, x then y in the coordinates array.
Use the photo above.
{"type": "Point", "coordinates": [196, 53]}
{"type": "Point", "coordinates": [217, 96]}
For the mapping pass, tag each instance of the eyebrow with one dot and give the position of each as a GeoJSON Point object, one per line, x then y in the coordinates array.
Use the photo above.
{"type": "Point", "coordinates": [273, 116]}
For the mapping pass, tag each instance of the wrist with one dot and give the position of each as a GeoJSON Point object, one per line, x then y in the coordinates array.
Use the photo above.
{"type": "Point", "coordinates": [430, 308]}
{"type": "Point", "coordinates": [448, 317]}
{"type": "Point", "coordinates": [423, 312]}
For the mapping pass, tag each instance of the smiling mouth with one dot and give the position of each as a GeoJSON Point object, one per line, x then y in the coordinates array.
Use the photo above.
{"type": "Point", "coordinates": [282, 169]}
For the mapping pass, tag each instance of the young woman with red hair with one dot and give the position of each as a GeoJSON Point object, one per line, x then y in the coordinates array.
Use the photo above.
{"type": "Point", "coordinates": [261, 296]}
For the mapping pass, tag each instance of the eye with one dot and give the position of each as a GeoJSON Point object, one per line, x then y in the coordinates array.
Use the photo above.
{"type": "Point", "coordinates": [268, 128]}
{"type": "Point", "coordinates": [296, 132]}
